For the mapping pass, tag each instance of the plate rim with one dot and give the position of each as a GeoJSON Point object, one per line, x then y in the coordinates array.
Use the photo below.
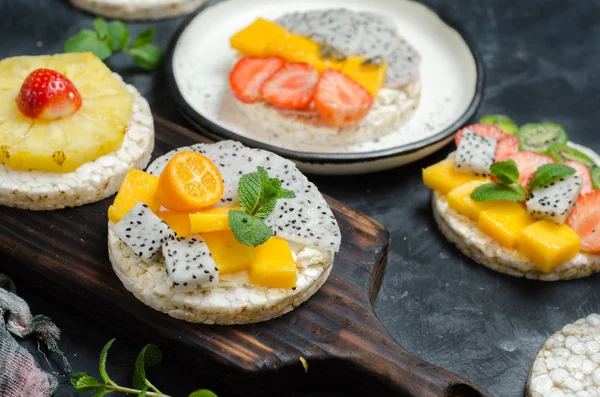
{"type": "Point", "coordinates": [206, 126]}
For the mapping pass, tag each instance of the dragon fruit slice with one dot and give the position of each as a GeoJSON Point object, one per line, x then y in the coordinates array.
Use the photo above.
{"type": "Point", "coordinates": [308, 210]}
{"type": "Point", "coordinates": [144, 232]}
{"type": "Point", "coordinates": [555, 201]}
{"type": "Point", "coordinates": [475, 153]}
{"type": "Point", "coordinates": [403, 64]}
{"type": "Point", "coordinates": [190, 264]}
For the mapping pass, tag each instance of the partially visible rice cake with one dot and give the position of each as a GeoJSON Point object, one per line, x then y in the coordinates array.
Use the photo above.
{"type": "Point", "coordinates": [569, 363]}
{"type": "Point", "coordinates": [138, 9]}
{"type": "Point", "coordinates": [91, 182]}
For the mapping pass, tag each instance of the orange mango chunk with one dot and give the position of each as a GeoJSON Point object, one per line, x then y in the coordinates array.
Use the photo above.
{"type": "Point", "coordinates": [137, 186]}
{"type": "Point", "coordinates": [459, 200]}
{"type": "Point", "coordinates": [211, 220]}
{"type": "Point", "coordinates": [273, 265]}
{"type": "Point", "coordinates": [442, 177]}
{"type": "Point", "coordinates": [504, 221]}
{"type": "Point", "coordinates": [253, 39]}
{"type": "Point", "coordinates": [371, 77]}
{"type": "Point", "coordinates": [178, 221]}
{"type": "Point", "coordinates": [229, 254]}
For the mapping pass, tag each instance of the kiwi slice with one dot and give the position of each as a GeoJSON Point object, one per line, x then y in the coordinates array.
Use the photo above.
{"type": "Point", "coordinates": [596, 177]}
{"type": "Point", "coordinates": [561, 152]}
{"type": "Point", "coordinates": [505, 123]}
{"type": "Point", "coordinates": [539, 137]}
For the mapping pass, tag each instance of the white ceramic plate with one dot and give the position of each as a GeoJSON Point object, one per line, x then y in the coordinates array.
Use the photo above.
{"type": "Point", "coordinates": [451, 75]}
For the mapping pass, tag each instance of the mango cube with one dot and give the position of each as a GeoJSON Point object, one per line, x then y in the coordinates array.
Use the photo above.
{"type": "Point", "coordinates": [211, 220]}
{"type": "Point", "coordinates": [178, 221]}
{"type": "Point", "coordinates": [459, 200]}
{"type": "Point", "coordinates": [229, 254]}
{"type": "Point", "coordinates": [274, 265]}
{"type": "Point", "coordinates": [295, 48]}
{"type": "Point", "coordinates": [548, 245]}
{"type": "Point", "coordinates": [371, 77]}
{"type": "Point", "coordinates": [137, 186]}
{"type": "Point", "coordinates": [254, 39]}
{"type": "Point", "coordinates": [442, 177]}
{"type": "Point", "coordinates": [504, 221]}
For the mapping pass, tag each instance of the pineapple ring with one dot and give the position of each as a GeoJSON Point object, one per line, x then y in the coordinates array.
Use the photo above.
{"type": "Point", "coordinates": [234, 301]}
{"type": "Point", "coordinates": [91, 182]}
{"type": "Point", "coordinates": [463, 232]}
{"type": "Point", "coordinates": [138, 9]}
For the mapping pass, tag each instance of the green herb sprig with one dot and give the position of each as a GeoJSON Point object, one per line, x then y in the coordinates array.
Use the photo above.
{"type": "Point", "coordinates": [508, 186]}
{"type": "Point", "coordinates": [149, 356]}
{"type": "Point", "coordinates": [114, 37]}
{"type": "Point", "coordinates": [258, 194]}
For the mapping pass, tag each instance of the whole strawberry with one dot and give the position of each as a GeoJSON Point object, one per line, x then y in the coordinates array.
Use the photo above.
{"type": "Point", "coordinates": [48, 95]}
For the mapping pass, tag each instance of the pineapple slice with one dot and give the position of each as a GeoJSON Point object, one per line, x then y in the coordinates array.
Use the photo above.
{"type": "Point", "coordinates": [62, 145]}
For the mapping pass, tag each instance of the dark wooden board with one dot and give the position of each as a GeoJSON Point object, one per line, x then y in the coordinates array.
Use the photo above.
{"type": "Point", "coordinates": [337, 331]}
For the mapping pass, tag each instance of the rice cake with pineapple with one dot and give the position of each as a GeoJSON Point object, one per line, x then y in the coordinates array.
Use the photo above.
{"type": "Point", "coordinates": [89, 148]}
{"type": "Point", "coordinates": [531, 228]}
{"type": "Point", "coordinates": [203, 271]}
{"type": "Point", "coordinates": [138, 9]}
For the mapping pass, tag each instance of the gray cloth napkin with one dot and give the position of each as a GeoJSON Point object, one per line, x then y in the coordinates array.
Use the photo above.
{"type": "Point", "coordinates": [20, 375]}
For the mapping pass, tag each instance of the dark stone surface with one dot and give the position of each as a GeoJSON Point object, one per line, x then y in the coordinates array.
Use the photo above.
{"type": "Point", "coordinates": [541, 60]}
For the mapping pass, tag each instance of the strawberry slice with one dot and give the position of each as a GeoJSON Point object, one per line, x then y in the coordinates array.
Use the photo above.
{"type": "Point", "coordinates": [585, 221]}
{"type": "Point", "coordinates": [48, 95]}
{"type": "Point", "coordinates": [249, 74]}
{"type": "Point", "coordinates": [507, 144]}
{"type": "Point", "coordinates": [340, 100]}
{"type": "Point", "coordinates": [291, 87]}
{"type": "Point", "coordinates": [528, 163]}
{"type": "Point", "coordinates": [584, 173]}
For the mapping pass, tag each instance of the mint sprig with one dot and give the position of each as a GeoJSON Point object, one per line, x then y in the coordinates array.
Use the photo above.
{"type": "Point", "coordinates": [114, 37]}
{"type": "Point", "coordinates": [258, 194]}
{"type": "Point", "coordinates": [149, 356]}
{"type": "Point", "coordinates": [507, 188]}
{"type": "Point", "coordinates": [549, 173]}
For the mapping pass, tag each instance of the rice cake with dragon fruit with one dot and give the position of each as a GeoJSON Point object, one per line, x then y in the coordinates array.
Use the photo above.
{"type": "Point", "coordinates": [221, 234]}
{"type": "Point", "coordinates": [521, 201]}
{"type": "Point", "coordinates": [325, 77]}
{"type": "Point", "coordinates": [70, 130]}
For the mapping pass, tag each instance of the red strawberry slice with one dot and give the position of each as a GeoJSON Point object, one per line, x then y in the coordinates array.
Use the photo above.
{"type": "Point", "coordinates": [584, 173]}
{"type": "Point", "coordinates": [585, 221]}
{"type": "Point", "coordinates": [49, 95]}
{"type": "Point", "coordinates": [249, 74]}
{"type": "Point", "coordinates": [291, 87]}
{"type": "Point", "coordinates": [340, 100]}
{"type": "Point", "coordinates": [507, 144]}
{"type": "Point", "coordinates": [528, 163]}
{"type": "Point", "coordinates": [481, 129]}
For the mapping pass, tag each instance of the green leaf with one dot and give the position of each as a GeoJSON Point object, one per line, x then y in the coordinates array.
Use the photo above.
{"type": "Point", "coordinates": [149, 356]}
{"type": "Point", "coordinates": [120, 35]}
{"type": "Point", "coordinates": [202, 393]}
{"type": "Point", "coordinates": [144, 38]}
{"type": "Point", "coordinates": [102, 362]}
{"type": "Point", "coordinates": [88, 41]}
{"type": "Point", "coordinates": [286, 194]}
{"type": "Point", "coordinates": [496, 191]}
{"type": "Point", "coordinates": [83, 383]}
{"type": "Point", "coordinates": [249, 230]}
{"type": "Point", "coordinates": [143, 392]}
{"type": "Point", "coordinates": [505, 171]}
{"type": "Point", "coordinates": [101, 392]}
{"type": "Point", "coordinates": [266, 207]}
{"type": "Point", "coordinates": [101, 27]}
{"type": "Point", "coordinates": [147, 56]}
{"type": "Point", "coordinates": [249, 191]}
{"type": "Point", "coordinates": [549, 173]}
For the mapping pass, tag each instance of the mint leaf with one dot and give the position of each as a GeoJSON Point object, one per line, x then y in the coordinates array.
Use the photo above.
{"type": "Point", "coordinates": [119, 34]}
{"type": "Point", "coordinates": [82, 382]}
{"type": "Point", "coordinates": [549, 173]}
{"type": "Point", "coordinates": [143, 392]}
{"type": "Point", "coordinates": [248, 229]}
{"type": "Point", "coordinates": [101, 392]}
{"type": "Point", "coordinates": [249, 191]}
{"type": "Point", "coordinates": [148, 56]}
{"type": "Point", "coordinates": [286, 194]}
{"type": "Point", "coordinates": [101, 28]}
{"type": "Point", "coordinates": [202, 393]}
{"type": "Point", "coordinates": [496, 191]}
{"type": "Point", "coordinates": [102, 363]}
{"type": "Point", "coordinates": [150, 355]}
{"type": "Point", "coordinates": [505, 171]}
{"type": "Point", "coordinates": [144, 38]}
{"type": "Point", "coordinates": [266, 207]}
{"type": "Point", "coordinates": [88, 41]}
